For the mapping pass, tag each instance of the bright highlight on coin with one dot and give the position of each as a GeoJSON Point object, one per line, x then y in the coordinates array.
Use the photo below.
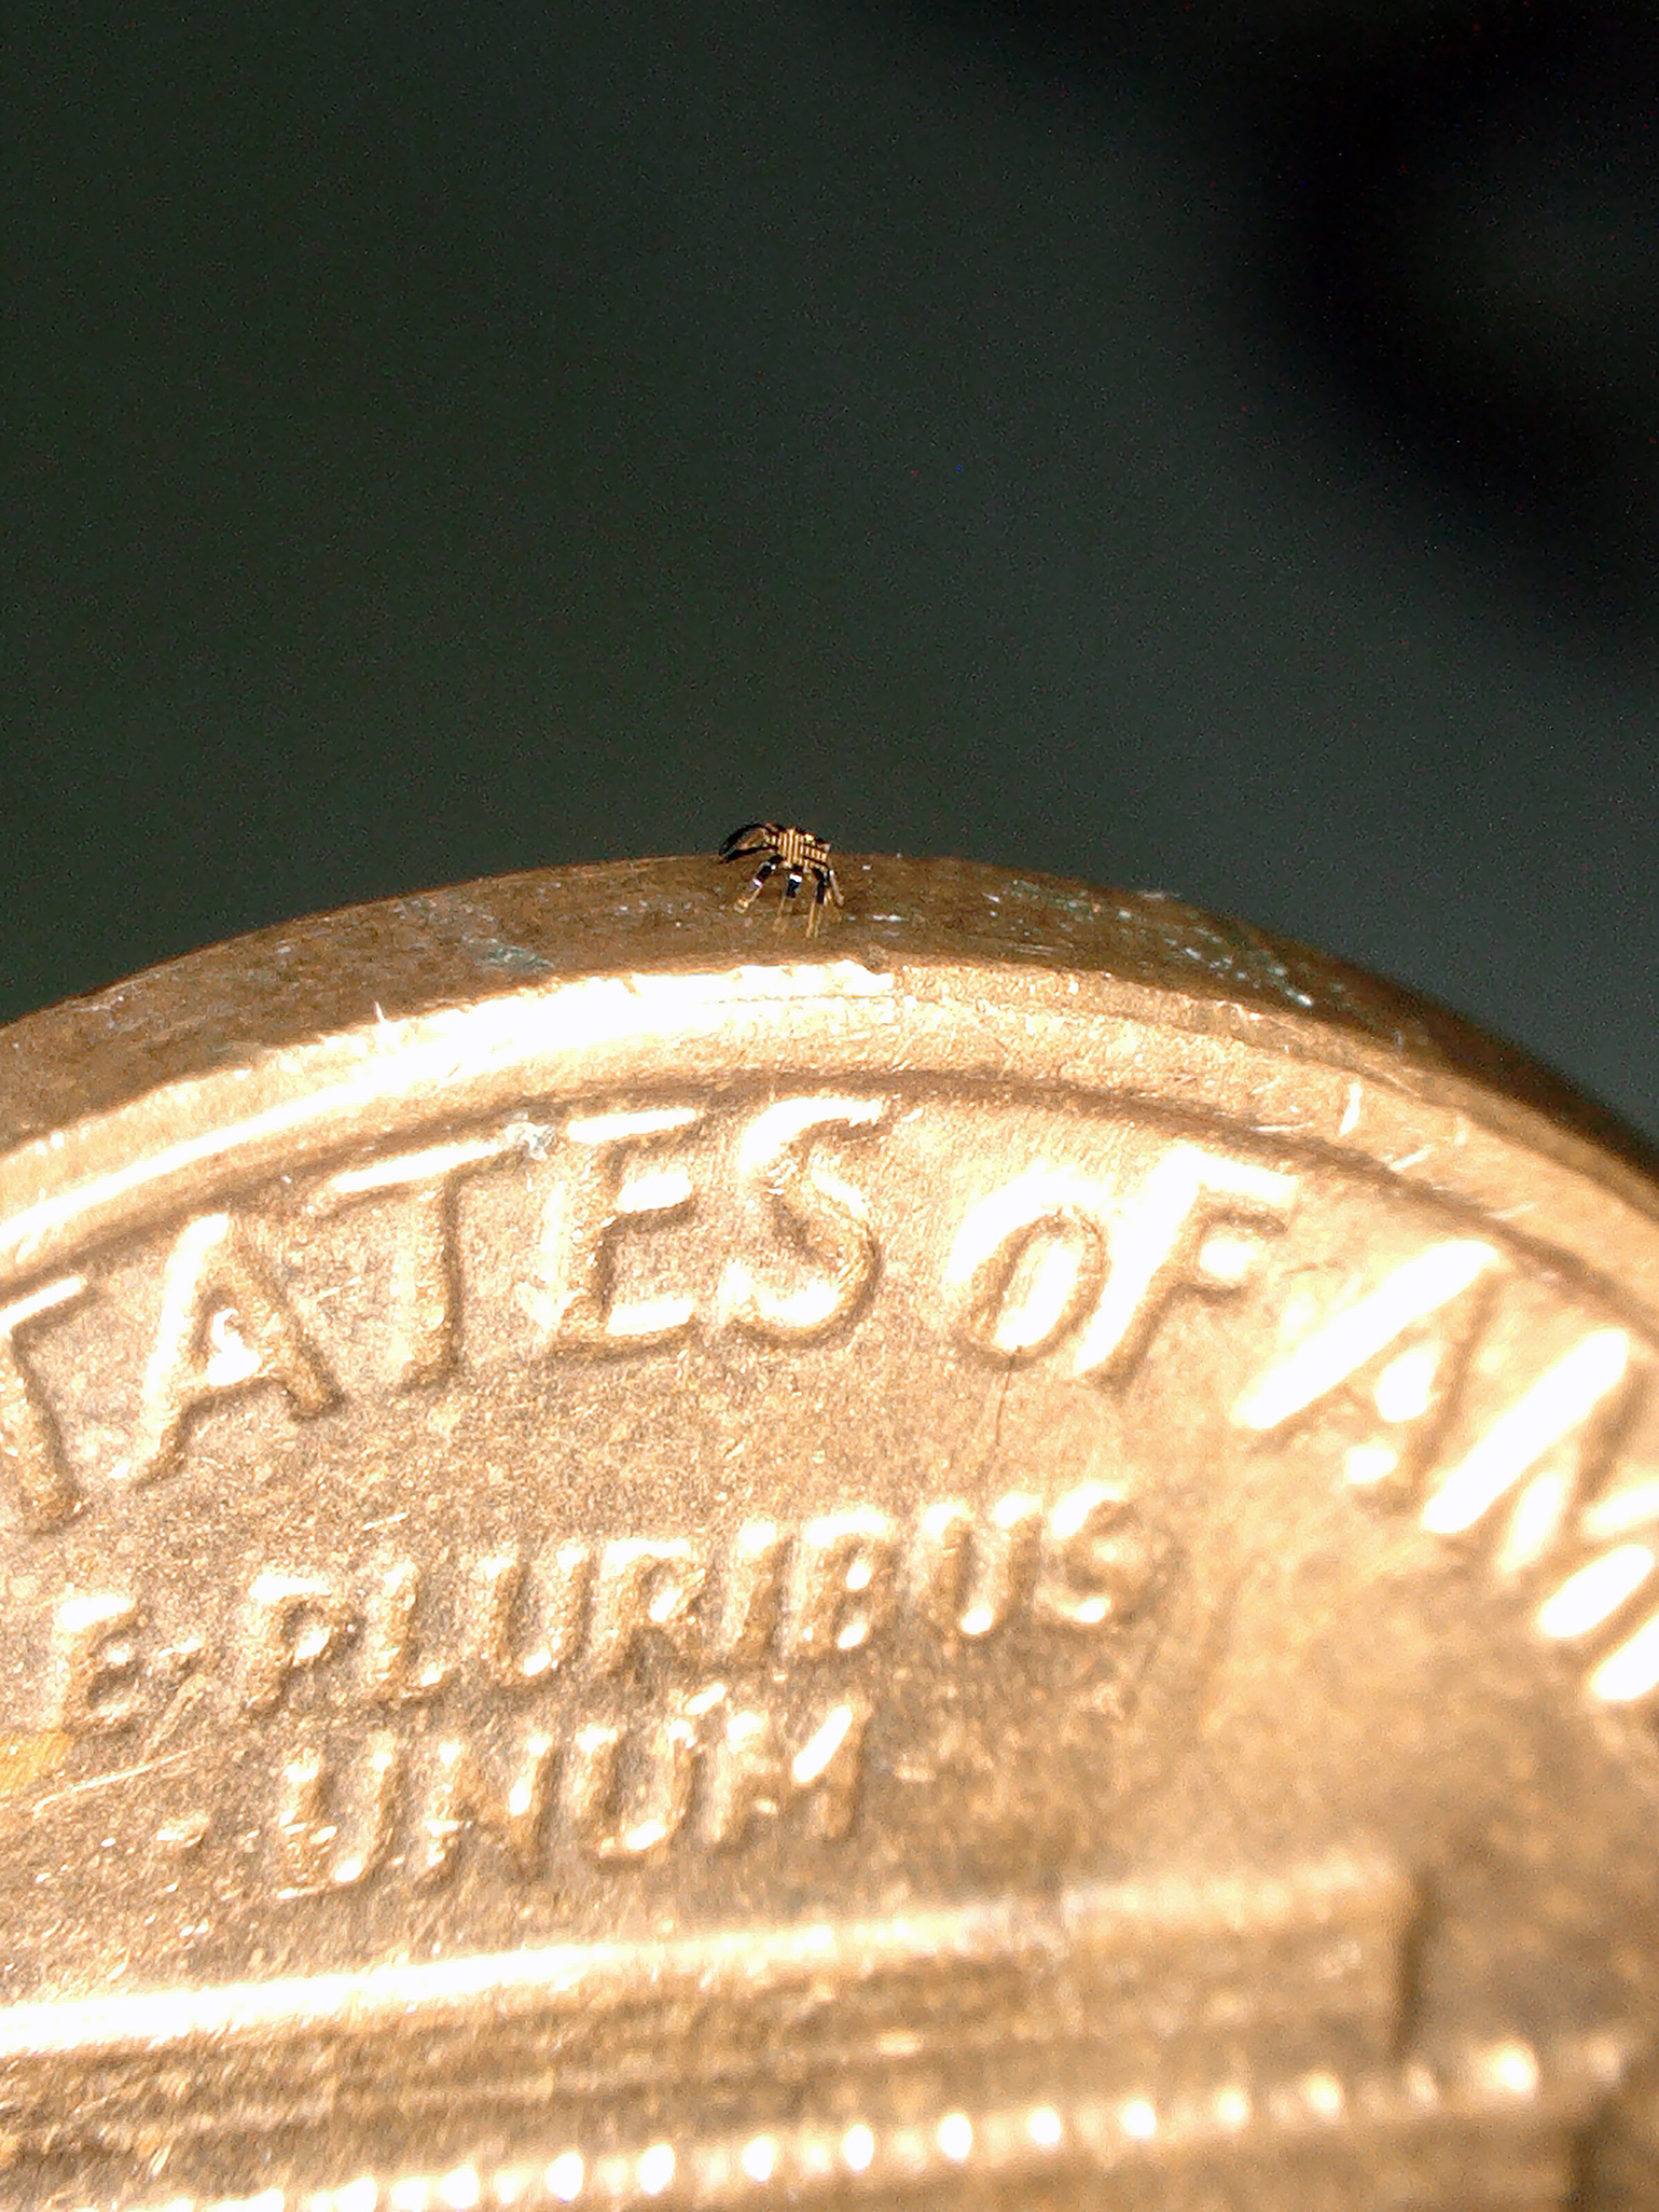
{"type": "Point", "coordinates": [1010, 1557]}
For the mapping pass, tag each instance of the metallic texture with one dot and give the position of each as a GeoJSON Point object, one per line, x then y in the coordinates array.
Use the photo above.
{"type": "Point", "coordinates": [1011, 1562]}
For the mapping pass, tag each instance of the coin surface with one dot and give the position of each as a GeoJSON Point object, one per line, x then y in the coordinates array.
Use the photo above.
{"type": "Point", "coordinates": [1010, 1558]}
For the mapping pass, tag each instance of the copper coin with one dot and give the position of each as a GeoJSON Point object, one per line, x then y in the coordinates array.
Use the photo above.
{"type": "Point", "coordinates": [1006, 1557]}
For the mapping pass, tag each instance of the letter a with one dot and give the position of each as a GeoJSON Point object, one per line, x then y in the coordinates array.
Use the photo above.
{"type": "Point", "coordinates": [224, 1326]}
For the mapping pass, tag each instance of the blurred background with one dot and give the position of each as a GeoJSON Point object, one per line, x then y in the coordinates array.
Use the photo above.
{"type": "Point", "coordinates": [1212, 444]}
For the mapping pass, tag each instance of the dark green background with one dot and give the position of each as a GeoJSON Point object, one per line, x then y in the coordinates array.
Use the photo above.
{"type": "Point", "coordinates": [1210, 447]}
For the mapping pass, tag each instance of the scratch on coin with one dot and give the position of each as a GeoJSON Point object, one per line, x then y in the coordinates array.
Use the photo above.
{"type": "Point", "coordinates": [108, 1781]}
{"type": "Point", "coordinates": [988, 1458]}
{"type": "Point", "coordinates": [1002, 1402]}
{"type": "Point", "coordinates": [1350, 1112]}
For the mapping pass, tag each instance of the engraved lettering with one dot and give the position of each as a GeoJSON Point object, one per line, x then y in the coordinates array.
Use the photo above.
{"type": "Point", "coordinates": [613, 1820]}
{"type": "Point", "coordinates": [1546, 1449]}
{"type": "Point", "coordinates": [646, 1588]}
{"type": "Point", "coordinates": [1631, 1670]}
{"type": "Point", "coordinates": [1096, 1562]}
{"type": "Point", "coordinates": [96, 1664]}
{"type": "Point", "coordinates": [829, 1763]}
{"type": "Point", "coordinates": [1031, 1259]}
{"type": "Point", "coordinates": [938, 1562]}
{"type": "Point", "coordinates": [750, 1775]}
{"type": "Point", "coordinates": [499, 1599]}
{"type": "Point", "coordinates": [312, 1857]}
{"type": "Point", "coordinates": [394, 1672]}
{"type": "Point", "coordinates": [821, 1215]}
{"type": "Point", "coordinates": [967, 1576]}
{"type": "Point", "coordinates": [224, 1326]}
{"type": "Point", "coordinates": [600, 1198]}
{"type": "Point", "coordinates": [1401, 1354]}
{"type": "Point", "coordinates": [293, 1623]}
{"type": "Point", "coordinates": [1595, 1592]}
{"type": "Point", "coordinates": [751, 1587]}
{"type": "Point", "coordinates": [426, 1270]}
{"type": "Point", "coordinates": [823, 1591]}
{"type": "Point", "coordinates": [1193, 1225]}
{"type": "Point", "coordinates": [840, 1583]}
{"type": "Point", "coordinates": [1592, 1594]}
{"type": "Point", "coordinates": [31, 1447]}
{"type": "Point", "coordinates": [463, 1796]}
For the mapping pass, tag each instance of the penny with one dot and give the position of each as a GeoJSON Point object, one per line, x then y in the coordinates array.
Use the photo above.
{"type": "Point", "coordinates": [1007, 1557]}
